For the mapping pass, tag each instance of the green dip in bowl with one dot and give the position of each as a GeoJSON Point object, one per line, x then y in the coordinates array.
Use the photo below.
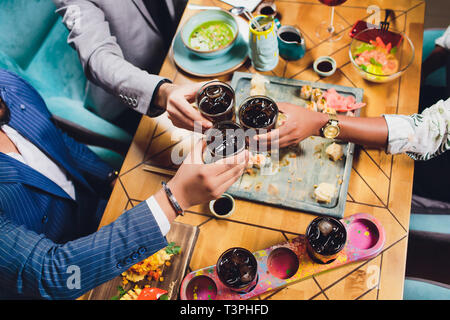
{"type": "Point", "coordinates": [210, 33]}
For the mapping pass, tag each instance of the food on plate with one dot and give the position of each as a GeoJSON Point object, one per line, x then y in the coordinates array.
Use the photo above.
{"type": "Point", "coordinates": [305, 92]}
{"type": "Point", "coordinates": [333, 111]}
{"type": "Point", "coordinates": [324, 192]}
{"type": "Point", "coordinates": [257, 160]}
{"type": "Point", "coordinates": [152, 266]}
{"type": "Point", "coordinates": [258, 85]}
{"type": "Point", "coordinates": [311, 105]}
{"type": "Point", "coordinates": [316, 94]}
{"type": "Point", "coordinates": [211, 35]}
{"type": "Point", "coordinates": [376, 57]}
{"type": "Point", "coordinates": [322, 104]}
{"type": "Point", "coordinates": [341, 103]}
{"type": "Point", "coordinates": [334, 151]}
{"type": "Point", "coordinates": [145, 294]}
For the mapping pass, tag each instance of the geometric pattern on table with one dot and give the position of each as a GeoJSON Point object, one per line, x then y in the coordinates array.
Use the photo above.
{"type": "Point", "coordinates": [380, 184]}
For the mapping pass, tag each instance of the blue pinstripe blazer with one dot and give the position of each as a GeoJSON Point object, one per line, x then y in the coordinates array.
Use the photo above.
{"type": "Point", "coordinates": [48, 244]}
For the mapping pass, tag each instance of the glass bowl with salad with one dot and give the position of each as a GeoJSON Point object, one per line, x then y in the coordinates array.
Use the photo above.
{"type": "Point", "coordinates": [381, 56]}
{"type": "Point", "coordinates": [210, 33]}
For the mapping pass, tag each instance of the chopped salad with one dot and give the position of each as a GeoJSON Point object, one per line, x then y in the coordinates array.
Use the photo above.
{"type": "Point", "coordinates": [376, 57]}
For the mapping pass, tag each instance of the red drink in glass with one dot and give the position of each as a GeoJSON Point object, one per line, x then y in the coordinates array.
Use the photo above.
{"type": "Point", "coordinates": [332, 3]}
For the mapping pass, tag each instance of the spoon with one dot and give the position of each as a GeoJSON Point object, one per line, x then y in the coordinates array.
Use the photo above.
{"type": "Point", "coordinates": [239, 10]}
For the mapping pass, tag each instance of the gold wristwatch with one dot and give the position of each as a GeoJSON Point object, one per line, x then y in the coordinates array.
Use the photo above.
{"type": "Point", "coordinates": [331, 129]}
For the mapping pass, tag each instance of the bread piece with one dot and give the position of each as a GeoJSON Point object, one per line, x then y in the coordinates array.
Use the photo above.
{"type": "Point", "coordinates": [324, 192]}
{"type": "Point", "coordinates": [258, 85]}
{"type": "Point", "coordinates": [334, 151]}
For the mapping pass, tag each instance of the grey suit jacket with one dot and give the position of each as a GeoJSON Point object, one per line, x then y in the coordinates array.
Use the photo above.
{"type": "Point", "coordinates": [120, 49]}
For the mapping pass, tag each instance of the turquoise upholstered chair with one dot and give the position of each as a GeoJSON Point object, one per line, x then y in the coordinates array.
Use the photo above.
{"type": "Point", "coordinates": [426, 227]}
{"type": "Point", "coordinates": [33, 44]}
{"type": "Point", "coordinates": [429, 228]}
{"type": "Point", "coordinates": [419, 289]}
{"type": "Point", "coordinates": [437, 78]}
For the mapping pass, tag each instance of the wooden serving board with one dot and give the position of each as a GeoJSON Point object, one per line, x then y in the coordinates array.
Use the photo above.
{"type": "Point", "coordinates": [300, 167]}
{"type": "Point", "coordinates": [183, 235]}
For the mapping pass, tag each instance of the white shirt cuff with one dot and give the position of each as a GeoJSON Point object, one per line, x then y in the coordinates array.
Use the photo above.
{"type": "Point", "coordinates": [400, 133]}
{"type": "Point", "coordinates": [444, 40]}
{"type": "Point", "coordinates": [159, 215]}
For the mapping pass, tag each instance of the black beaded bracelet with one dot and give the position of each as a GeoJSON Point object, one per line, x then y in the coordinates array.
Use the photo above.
{"type": "Point", "coordinates": [172, 200]}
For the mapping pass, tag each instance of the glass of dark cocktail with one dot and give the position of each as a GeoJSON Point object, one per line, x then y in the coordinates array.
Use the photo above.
{"type": "Point", "coordinates": [326, 237]}
{"type": "Point", "coordinates": [224, 139]}
{"type": "Point", "coordinates": [237, 269]}
{"type": "Point", "coordinates": [215, 101]}
{"type": "Point", "coordinates": [258, 115]}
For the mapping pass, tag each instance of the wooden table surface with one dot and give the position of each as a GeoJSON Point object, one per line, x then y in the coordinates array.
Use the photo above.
{"type": "Point", "coordinates": [380, 184]}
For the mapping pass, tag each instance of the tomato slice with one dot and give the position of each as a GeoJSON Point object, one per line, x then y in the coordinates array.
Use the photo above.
{"type": "Point", "coordinates": [151, 294]}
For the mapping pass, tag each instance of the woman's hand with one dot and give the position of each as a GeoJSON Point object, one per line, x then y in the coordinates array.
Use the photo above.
{"type": "Point", "coordinates": [299, 125]}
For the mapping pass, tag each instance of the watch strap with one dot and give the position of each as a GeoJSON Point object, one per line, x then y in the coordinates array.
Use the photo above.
{"type": "Point", "coordinates": [332, 121]}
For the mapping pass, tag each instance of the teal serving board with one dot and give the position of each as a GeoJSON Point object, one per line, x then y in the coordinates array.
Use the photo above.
{"type": "Point", "coordinates": [291, 184]}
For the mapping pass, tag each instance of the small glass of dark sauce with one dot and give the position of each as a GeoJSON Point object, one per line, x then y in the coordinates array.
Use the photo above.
{"type": "Point", "coordinates": [325, 66]}
{"type": "Point", "coordinates": [222, 207]}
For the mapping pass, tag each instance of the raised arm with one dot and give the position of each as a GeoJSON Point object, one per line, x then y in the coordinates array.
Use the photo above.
{"type": "Point", "coordinates": [33, 266]}
{"type": "Point", "coordinates": [101, 56]}
{"type": "Point", "coordinates": [104, 64]}
{"type": "Point", "coordinates": [421, 136]}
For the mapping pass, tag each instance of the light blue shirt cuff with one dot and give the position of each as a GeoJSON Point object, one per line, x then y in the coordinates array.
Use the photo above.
{"type": "Point", "coordinates": [159, 215]}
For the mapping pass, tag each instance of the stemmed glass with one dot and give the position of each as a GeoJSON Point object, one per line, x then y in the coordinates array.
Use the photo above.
{"type": "Point", "coordinates": [330, 31]}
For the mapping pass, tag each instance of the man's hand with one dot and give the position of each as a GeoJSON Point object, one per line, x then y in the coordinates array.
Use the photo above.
{"type": "Point", "coordinates": [196, 182]}
{"type": "Point", "coordinates": [300, 124]}
{"type": "Point", "coordinates": [177, 100]}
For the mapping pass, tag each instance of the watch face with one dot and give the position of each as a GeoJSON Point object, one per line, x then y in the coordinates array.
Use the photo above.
{"type": "Point", "coordinates": [331, 131]}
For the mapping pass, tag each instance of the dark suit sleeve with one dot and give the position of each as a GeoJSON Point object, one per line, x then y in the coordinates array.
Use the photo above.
{"type": "Point", "coordinates": [33, 266]}
{"type": "Point", "coordinates": [86, 161]}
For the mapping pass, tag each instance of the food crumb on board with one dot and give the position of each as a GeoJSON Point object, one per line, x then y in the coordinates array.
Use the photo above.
{"type": "Point", "coordinates": [273, 190]}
